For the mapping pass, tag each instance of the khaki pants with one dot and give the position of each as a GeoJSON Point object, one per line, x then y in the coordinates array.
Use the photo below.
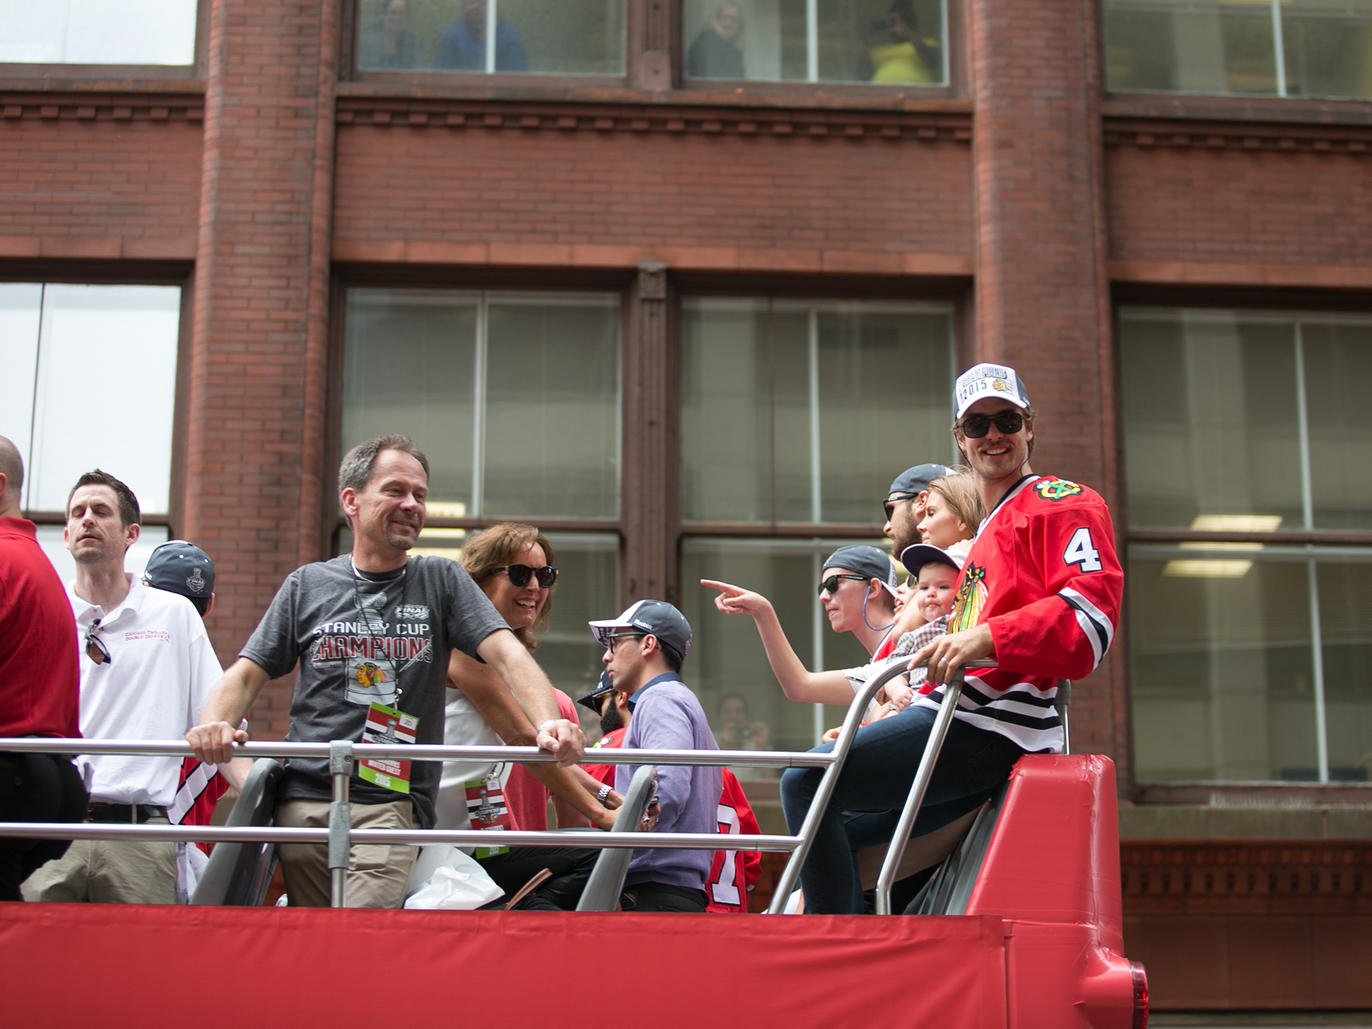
{"type": "Point", "coordinates": [377, 873]}
{"type": "Point", "coordinates": [109, 872]}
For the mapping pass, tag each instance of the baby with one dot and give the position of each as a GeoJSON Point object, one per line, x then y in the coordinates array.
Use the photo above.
{"type": "Point", "coordinates": [936, 575]}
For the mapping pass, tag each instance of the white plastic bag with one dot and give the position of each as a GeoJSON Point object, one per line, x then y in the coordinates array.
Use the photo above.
{"type": "Point", "coordinates": [445, 877]}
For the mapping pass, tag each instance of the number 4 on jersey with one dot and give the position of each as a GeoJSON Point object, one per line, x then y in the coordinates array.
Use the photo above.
{"type": "Point", "coordinates": [1082, 552]}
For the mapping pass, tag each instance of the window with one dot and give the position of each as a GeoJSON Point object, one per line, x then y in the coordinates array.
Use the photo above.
{"type": "Point", "coordinates": [802, 413]}
{"type": "Point", "coordinates": [1281, 48]}
{"type": "Point", "coordinates": [887, 42]}
{"type": "Point", "coordinates": [157, 32]}
{"type": "Point", "coordinates": [56, 341]}
{"type": "Point", "coordinates": [514, 399]}
{"type": "Point", "coordinates": [571, 37]}
{"type": "Point", "coordinates": [1250, 561]}
{"type": "Point", "coordinates": [513, 396]}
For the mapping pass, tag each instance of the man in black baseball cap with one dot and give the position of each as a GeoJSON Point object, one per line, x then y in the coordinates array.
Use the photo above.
{"type": "Point", "coordinates": [181, 567]}
{"type": "Point", "coordinates": [904, 503]}
{"type": "Point", "coordinates": [644, 648]}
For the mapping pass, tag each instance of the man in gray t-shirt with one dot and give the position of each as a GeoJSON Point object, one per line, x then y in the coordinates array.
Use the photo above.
{"type": "Point", "coordinates": [372, 632]}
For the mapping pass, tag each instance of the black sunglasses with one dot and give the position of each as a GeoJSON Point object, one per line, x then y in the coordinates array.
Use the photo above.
{"type": "Point", "coordinates": [519, 574]}
{"type": "Point", "coordinates": [889, 504]}
{"type": "Point", "coordinates": [831, 584]}
{"type": "Point", "coordinates": [95, 646]}
{"type": "Point", "coordinates": [975, 426]}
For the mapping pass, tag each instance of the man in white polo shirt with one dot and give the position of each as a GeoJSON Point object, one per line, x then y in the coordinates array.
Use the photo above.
{"type": "Point", "coordinates": [146, 669]}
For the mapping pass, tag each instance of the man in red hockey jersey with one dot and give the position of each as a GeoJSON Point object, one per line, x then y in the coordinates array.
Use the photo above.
{"type": "Point", "coordinates": [1039, 594]}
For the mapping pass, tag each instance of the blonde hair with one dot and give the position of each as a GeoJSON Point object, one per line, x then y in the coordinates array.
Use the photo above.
{"type": "Point", "coordinates": [960, 492]}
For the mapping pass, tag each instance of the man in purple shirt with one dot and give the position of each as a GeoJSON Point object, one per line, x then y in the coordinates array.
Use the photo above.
{"type": "Point", "coordinates": [644, 648]}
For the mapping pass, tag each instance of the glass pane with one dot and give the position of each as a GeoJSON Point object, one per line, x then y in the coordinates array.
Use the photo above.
{"type": "Point", "coordinates": [726, 656]}
{"type": "Point", "coordinates": [409, 366]}
{"type": "Point", "coordinates": [552, 407]}
{"type": "Point", "coordinates": [1188, 47]}
{"type": "Point", "coordinates": [1327, 47]}
{"type": "Point", "coordinates": [1345, 591]}
{"type": "Point", "coordinates": [890, 42]}
{"type": "Point", "coordinates": [1221, 667]}
{"type": "Point", "coordinates": [1338, 360]}
{"type": "Point", "coordinates": [787, 415]}
{"type": "Point", "coordinates": [571, 37]}
{"type": "Point", "coordinates": [98, 32]}
{"type": "Point", "coordinates": [19, 319]}
{"type": "Point", "coordinates": [386, 36]}
{"type": "Point", "coordinates": [878, 370]}
{"type": "Point", "coordinates": [795, 495]}
{"type": "Point", "coordinates": [726, 423]}
{"type": "Point", "coordinates": [125, 337]}
{"type": "Point", "coordinates": [1210, 420]}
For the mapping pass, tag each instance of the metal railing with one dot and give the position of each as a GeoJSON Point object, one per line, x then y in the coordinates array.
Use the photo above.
{"type": "Point", "coordinates": [342, 754]}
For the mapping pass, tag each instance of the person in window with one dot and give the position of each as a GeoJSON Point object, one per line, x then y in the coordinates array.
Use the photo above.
{"type": "Point", "coordinates": [897, 51]}
{"type": "Point", "coordinates": [717, 52]}
{"type": "Point", "coordinates": [462, 46]}
{"type": "Point", "coordinates": [389, 43]}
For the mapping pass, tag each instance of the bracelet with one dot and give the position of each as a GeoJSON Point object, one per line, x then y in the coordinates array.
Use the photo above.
{"type": "Point", "coordinates": [543, 725]}
{"type": "Point", "coordinates": [604, 792]}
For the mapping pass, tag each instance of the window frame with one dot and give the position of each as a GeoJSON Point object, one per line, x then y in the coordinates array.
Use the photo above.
{"type": "Point", "coordinates": [485, 281]}
{"type": "Point", "coordinates": [654, 60]}
{"type": "Point", "coordinates": [151, 274]}
{"type": "Point", "coordinates": [1233, 105]}
{"type": "Point", "coordinates": [60, 76]}
{"type": "Point", "coordinates": [1317, 545]}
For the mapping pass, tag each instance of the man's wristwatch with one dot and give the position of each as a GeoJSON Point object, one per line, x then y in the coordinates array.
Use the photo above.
{"type": "Point", "coordinates": [603, 792]}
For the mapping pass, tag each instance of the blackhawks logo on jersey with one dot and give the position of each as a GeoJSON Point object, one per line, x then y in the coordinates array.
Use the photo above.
{"type": "Point", "coordinates": [1056, 489]}
{"type": "Point", "coordinates": [970, 599]}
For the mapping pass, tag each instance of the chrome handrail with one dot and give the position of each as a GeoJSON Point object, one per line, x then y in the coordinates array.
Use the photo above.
{"type": "Point", "coordinates": [339, 835]}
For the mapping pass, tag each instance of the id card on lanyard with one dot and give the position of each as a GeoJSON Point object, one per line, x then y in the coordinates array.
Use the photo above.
{"type": "Point", "coordinates": [387, 725]}
{"type": "Point", "coordinates": [487, 809]}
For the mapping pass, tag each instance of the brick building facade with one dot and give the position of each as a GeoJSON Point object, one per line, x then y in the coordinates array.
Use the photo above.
{"type": "Point", "coordinates": [270, 179]}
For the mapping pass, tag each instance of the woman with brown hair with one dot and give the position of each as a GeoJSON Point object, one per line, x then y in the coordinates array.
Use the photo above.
{"type": "Point", "coordinates": [513, 565]}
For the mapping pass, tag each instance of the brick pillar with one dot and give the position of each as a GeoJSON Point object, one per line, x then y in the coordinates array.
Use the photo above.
{"type": "Point", "coordinates": [1042, 289]}
{"type": "Point", "coordinates": [650, 480]}
{"type": "Point", "coordinates": [257, 347]}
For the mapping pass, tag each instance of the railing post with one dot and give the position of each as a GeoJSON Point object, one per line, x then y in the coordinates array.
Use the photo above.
{"type": "Point", "coordinates": [340, 824]}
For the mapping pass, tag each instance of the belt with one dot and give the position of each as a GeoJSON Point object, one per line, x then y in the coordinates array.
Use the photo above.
{"type": "Point", "coordinates": [101, 812]}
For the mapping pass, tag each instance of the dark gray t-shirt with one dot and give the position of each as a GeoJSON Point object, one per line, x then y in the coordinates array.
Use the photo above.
{"type": "Point", "coordinates": [357, 637]}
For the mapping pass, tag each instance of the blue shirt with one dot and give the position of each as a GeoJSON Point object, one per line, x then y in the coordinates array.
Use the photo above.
{"type": "Point", "coordinates": [667, 716]}
{"type": "Point", "coordinates": [458, 49]}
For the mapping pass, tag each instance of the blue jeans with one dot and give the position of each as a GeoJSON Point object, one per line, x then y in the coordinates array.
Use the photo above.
{"type": "Point", "coordinates": [872, 788]}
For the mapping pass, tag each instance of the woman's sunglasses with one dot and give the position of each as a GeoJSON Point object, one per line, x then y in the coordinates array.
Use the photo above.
{"type": "Point", "coordinates": [519, 575]}
{"type": "Point", "coordinates": [975, 426]}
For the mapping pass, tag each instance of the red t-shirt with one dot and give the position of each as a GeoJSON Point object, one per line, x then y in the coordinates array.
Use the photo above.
{"type": "Point", "coordinates": [40, 679]}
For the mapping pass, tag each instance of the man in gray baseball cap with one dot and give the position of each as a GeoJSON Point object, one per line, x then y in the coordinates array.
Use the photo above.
{"type": "Point", "coordinates": [644, 649]}
{"type": "Point", "coordinates": [181, 567]}
{"type": "Point", "coordinates": [904, 503]}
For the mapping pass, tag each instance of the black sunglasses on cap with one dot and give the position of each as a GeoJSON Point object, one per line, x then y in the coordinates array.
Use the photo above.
{"type": "Point", "coordinates": [519, 574]}
{"type": "Point", "coordinates": [975, 426]}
